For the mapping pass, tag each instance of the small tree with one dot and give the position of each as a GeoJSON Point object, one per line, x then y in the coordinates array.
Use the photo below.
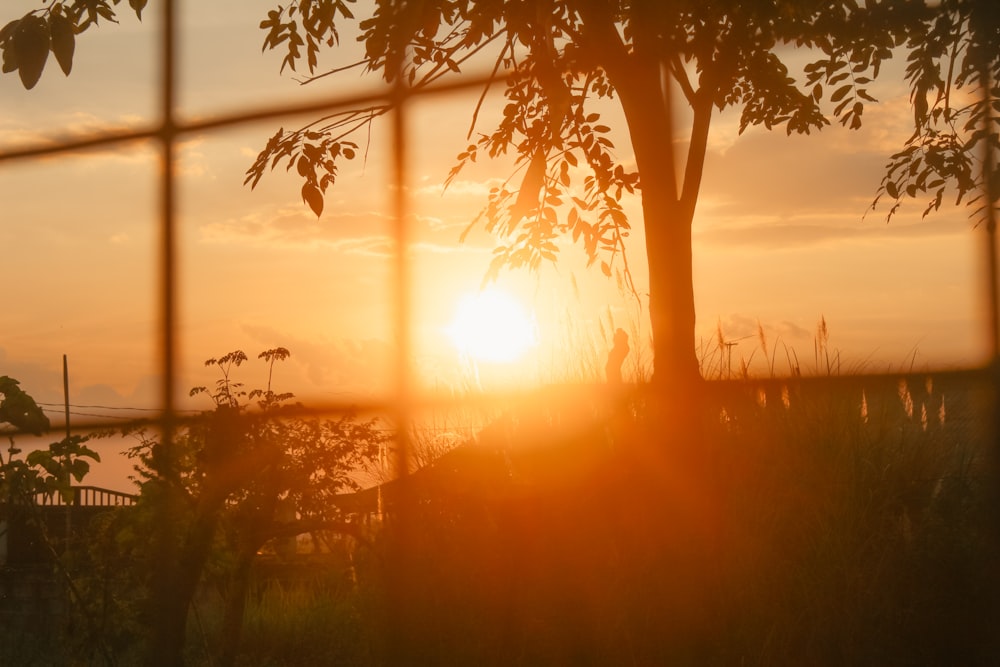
{"type": "Point", "coordinates": [558, 62]}
{"type": "Point", "coordinates": [248, 474]}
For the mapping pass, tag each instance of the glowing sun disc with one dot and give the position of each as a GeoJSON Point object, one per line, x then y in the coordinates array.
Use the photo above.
{"type": "Point", "coordinates": [491, 326]}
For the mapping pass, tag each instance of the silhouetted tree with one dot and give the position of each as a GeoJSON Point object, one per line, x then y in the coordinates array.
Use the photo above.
{"type": "Point", "coordinates": [558, 62]}
{"type": "Point", "coordinates": [248, 474]}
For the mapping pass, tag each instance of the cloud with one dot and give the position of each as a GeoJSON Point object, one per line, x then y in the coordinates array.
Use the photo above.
{"type": "Point", "coordinates": [43, 382]}
{"type": "Point", "coordinates": [295, 227]}
{"type": "Point", "coordinates": [782, 234]}
{"type": "Point", "coordinates": [739, 326]}
{"type": "Point", "coordinates": [73, 126]}
{"type": "Point", "coordinates": [368, 246]}
{"type": "Point", "coordinates": [460, 187]}
{"type": "Point", "coordinates": [363, 233]}
{"type": "Point", "coordinates": [192, 159]}
{"type": "Point", "coordinates": [334, 366]}
{"type": "Point", "coordinates": [786, 329]}
{"type": "Point", "coordinates": [446, 249]}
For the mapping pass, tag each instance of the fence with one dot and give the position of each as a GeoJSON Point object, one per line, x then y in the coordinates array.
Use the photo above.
{"type": "Point", "coordinates": [86, 496]}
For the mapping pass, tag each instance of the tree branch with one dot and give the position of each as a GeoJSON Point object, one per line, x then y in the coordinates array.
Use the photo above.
{"type": "Point", "coordinates": [486, 89]}
{"type": "Point", "coordinates": [599, 33]}
{"type": "Point", "coordinates": [695, 167]}
{"type": "Point", "coordinates": [680, 75]}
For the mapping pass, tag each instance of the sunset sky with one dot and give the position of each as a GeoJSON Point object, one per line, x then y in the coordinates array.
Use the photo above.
{"type": "Point", "coordinates": [780, 239]}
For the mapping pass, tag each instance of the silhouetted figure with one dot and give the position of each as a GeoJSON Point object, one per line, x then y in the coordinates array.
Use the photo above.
{"type": "Point", "coordinates": [616, 357]}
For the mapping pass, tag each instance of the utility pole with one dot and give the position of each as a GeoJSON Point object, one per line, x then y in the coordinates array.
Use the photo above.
{"type": "Point", "coordinates": [69, 506]}
{"type": "Point", "coordinates": [66, 391]}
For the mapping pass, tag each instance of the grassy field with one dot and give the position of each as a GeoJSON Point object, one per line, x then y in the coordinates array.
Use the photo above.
{"type": "Point", "coordinates": [849, 521]}
{"type": "Point", "coordinates": [787, 523]}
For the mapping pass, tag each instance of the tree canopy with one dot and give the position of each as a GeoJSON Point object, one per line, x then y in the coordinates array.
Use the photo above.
{"type": "Point", "coordinates": [952, 69]}
{"type": "Point", "coordinates": [558, 62]}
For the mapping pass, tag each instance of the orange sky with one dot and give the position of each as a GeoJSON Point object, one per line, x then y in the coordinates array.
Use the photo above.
{"type": "Point", "coordinates": [779, 239]}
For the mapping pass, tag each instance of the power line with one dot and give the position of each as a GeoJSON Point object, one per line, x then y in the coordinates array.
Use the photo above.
{"type": "Point", "coordinates": [112, 407]}
{"type": "Point", "coordinates": [87, 414]}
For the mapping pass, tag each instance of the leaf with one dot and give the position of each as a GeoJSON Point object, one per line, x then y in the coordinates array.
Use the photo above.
{"type": "Point", "coordinates": [39, 457]}
{"type": "Point", "coordinates": [890, 187]}
{"type": "Point", "coordinates": [840, 93]}
{"type": "Point", "coordinates": [79, 469]}
{"type": "Point", "coordinates": [304, 167]}
{"type": "Point", "coordinates": [31, 43]}
{"type": "Point", "coordinates": [63, 41]}
{"type": "Point", "coordinates": [606, 269]}
{"type": "Point", "coordinates": [312, 196]}
{"type": "Point", "coordinates": [8, 30]}
{"type": "Point", "coordinates": [863, 94]}
{"type": "Point", "coordinates": [9, 59]}
{"type": "Point", "coordinates": [138, 6]}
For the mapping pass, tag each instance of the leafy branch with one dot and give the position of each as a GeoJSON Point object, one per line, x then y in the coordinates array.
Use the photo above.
{"type": "Point", "coordinates": [952, 70]}
{"type": "Point", "coordinates": [26, 42]}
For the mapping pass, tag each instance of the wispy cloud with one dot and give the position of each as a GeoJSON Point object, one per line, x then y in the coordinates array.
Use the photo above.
{"type": "Point", "coordinates": [333, 365]}
{"type": "Point", "coordinates": [779, 234]}
{"type": "Point", "coordinates": [358, 233]}
{"type": "Point", "coordinates": [459, 187]}
{"type": "Point", "coordinates": [69, 126]}
{"type": "Point", "coordinates": [446, 249]}
{"type": "Point", "coordinates": [296, 227]}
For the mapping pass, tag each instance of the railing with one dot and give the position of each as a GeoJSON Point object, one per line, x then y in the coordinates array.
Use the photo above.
{"type": "Point", "coordinates": [87, 496]}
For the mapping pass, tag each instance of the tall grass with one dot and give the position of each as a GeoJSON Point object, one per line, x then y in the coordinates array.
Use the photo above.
{"type": "Point", "coordinates": [794, 523]}
{"type": "Point", "coordinates": [759, 521]}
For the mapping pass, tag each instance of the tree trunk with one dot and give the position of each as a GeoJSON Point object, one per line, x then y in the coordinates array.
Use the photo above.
{"type": "Point", "coordinates": [175, 585]}
{"type": "Point", "coordinates": [236, 598]}
{"type": "Point", "coordinates": [667, 223]}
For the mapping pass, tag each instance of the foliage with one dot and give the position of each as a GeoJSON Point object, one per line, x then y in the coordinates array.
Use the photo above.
{"type": "Point", "coordinates": [27, 41]}
{"type": "Point", "coordinates": [247, 472]}
{"type": "Point", "coordinates": [953, 71]}
{"type": "Point", "coordinates": [802, 529]}
{"type": "Point", "coordinates": [559, 62]}
{"type": "Point", "coordinates": [19, 409]}
{"type": "Point", "coordinates": [561, 65]}
{"type": "Point", "coordinates": [246, 447]}
{"type": "Point", "coordinates": [44, 471]}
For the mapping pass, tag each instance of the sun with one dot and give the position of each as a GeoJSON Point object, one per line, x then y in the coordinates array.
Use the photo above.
{"type": "Point", "coordinates": [492, 326]}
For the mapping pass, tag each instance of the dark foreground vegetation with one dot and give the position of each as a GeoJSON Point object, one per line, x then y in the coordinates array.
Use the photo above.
{"type": "Point", "coordinates": [849, 522]}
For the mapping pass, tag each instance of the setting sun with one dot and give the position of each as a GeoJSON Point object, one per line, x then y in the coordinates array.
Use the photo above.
{"type": "Point", "coordinates": [492, 326]}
